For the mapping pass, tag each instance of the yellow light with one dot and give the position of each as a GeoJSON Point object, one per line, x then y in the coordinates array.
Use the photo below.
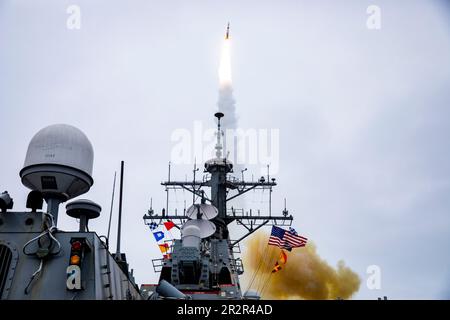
{"type": "Point", "coordinates": [225, 64]}
{"type": "Point", "coordinates": [75, 259]}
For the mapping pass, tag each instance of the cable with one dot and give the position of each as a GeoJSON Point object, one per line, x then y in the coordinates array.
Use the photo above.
{"type": "Point", "coordinates": [47, 231]}
{"type": "Point", "coordinates": [49, 227]}
{"type": "Point", "coordinates": [37, 272]}
{"type": "Point", "coordinates": [266, 284]}
{"type": "Point", "coordinates": [111, 206]}
{"type": "Point", "coordinates": [256, 272]}
{"type": "Point", "coordinates": [268, 269]}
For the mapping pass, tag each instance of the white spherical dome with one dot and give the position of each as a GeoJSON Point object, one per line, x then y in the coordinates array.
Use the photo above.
{"type": "Point", "coordinates": [61, 144]}
{"type": "Point", "coordinates": [190, 236]}
{"type": "Point", "coordinates": [59, 161]}
{"type": "Point", "coordinates": [191, 230]}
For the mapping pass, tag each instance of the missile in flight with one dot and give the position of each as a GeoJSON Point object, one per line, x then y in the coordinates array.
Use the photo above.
{"type": "Point", "coordinates": [227, 35]}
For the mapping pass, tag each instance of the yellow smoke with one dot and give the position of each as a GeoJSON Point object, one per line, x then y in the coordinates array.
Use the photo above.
{"type": "Point", "coordinates": [225, 64]}
{"type": "Point", "coordinates": [305, 275]}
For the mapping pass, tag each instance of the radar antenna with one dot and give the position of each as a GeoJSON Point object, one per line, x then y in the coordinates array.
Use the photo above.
{"type": "Point", "coordinates": [219, 133]}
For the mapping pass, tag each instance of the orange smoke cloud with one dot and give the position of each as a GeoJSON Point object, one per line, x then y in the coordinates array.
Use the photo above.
{"type": "Point", "coordinates": [305, 275]}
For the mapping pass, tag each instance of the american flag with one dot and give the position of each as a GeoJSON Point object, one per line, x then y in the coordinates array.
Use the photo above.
{"type": "Point", "coordinates": [286, 239]}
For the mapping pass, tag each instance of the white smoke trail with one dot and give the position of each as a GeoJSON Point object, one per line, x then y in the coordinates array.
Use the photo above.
{"type": "Point", "coordinates": [227, 105]}
{"type": "Point", "coordinates": [226, 102]}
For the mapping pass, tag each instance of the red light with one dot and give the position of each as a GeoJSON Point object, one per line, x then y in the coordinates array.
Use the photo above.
{"type": "Point", "coordinates": [76, 245]}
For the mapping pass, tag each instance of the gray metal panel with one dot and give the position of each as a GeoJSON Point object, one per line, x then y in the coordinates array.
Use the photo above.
{"type": "Point", "coordinates": [97, 283]}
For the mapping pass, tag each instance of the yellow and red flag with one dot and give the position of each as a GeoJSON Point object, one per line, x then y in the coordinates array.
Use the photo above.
{"type": "Point", "coordinates": [163, 247]}
{"type": "Point", "coordinates": [283, 257]}
{"type": "Point", "coordinates": [276, 268]}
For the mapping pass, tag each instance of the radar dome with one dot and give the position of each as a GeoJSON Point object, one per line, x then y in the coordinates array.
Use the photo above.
{"type": "Point", "coordinates": [191, 236]}
{"type": "Point", "coordinates": [59, 162]}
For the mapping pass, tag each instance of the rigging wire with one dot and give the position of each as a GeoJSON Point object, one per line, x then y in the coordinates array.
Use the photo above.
{"type": "Point", "coordinates": [267, 284]}
{"type": "Point", "coordinates": [111, 208]}
{"type": "Point", "coordinates": [256, 271]}
{"type": "Point", "coordinates": [267, 268]}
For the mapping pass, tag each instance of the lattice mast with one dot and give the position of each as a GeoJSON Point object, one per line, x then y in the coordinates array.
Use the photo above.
{"type": "Point", "coordinates": [223, 188]}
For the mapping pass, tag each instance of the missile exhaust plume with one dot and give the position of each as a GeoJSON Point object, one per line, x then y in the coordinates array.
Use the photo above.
{"type": "Point", "coordinates": [225, 62]}
{"type": "Point", "coordinates": [304, 276]}
{"type": "Point", "coordinates": [226, 102]}
{"type": "Point", "coordinates": [227, 105]}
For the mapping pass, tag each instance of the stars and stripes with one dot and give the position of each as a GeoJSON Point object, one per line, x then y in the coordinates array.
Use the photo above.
{"type": "Point", "coordinates": [286, 239]}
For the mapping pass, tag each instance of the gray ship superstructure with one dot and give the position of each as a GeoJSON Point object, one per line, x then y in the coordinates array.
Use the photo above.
{"type": "Point", "coordinates": [203, 264]}
{"type": "Point", "coordinates": [39, 261]}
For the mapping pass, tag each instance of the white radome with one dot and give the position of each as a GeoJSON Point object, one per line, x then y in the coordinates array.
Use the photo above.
{"type": "Point", "coordinates": [59, 161]}
{"type": "Point", "coordinates": [191, 236]}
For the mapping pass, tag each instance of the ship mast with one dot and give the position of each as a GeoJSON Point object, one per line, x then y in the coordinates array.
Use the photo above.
{"type": "Point", "coordinates": [220, 184]}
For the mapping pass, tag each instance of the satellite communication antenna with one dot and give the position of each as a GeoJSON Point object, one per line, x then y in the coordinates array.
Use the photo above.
{"type": "Point", "coordinates": [84, 210]}
{"type": "Point", "coordinates": [58, 164]}
{"type": "Point", "coordinates": [202, 211]}
{"type": "Point", "coordinates": [206, 228]}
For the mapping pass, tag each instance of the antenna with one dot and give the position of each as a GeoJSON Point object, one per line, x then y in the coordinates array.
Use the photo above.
{"type": "Point", "coordinates": [150, 211]}
{"type": "Point", "coordinates": [285, 212]}
{"type": "Point", "coordinates": [167, 191]}
{"type": "Point", "coordinates": [119, 227]}
{"type": "Point", "coordinates": [242, 173]}
{"type": "Point", "coordinates": [112, 203]}
{"type": "Point", "coordinates": [202, 211]}
{"type": "Point", "coordinates": [64, 176]}
{"type": "Point", "coordinates": [270, 191]}
{"type": "Point", "coordinates": [84, 210]}
{"type": "Point", "coordinates": [193, 182]}
{"type": "Point", "coordinates": [218, 147]}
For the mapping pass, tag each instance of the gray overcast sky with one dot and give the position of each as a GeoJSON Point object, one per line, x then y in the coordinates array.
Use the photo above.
{"type": "Point", "coordinates": [363, 114]}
